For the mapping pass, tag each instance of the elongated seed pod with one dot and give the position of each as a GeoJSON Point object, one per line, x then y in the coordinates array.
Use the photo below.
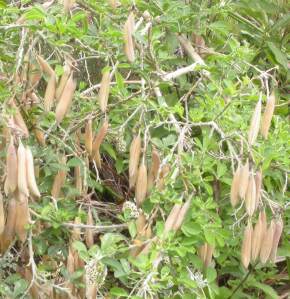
{"type": "Point", "coordinates": [89, 234]}
{"type": "Point", "coordinates": [97, 143]}
{"type": "Point", "coordinates": [140, 224]}
{"type": "Point", "coordinates": [181, 215]}
{"type": "Point", "coordinates": [255, 124]}
{"type": "Point", "coordinates": [128, 38]}
{"type": "Point", "coordinates": [70, 261]}
{"type": "Point", "coordinates": [59, 179]}
{"type": "Point", "coordinates": [32, 185]}
{"type": "Point", "coordinates": [78, 179]}
{"type": "Point", "coordinates": [202, 252]}
{"type": "Point", "coordinates": [258, 181]}
{"type": "Point", "coordinates": [104, 91]}
{"type": "Point", "coordinates": [134, 157]}
{"type": "Point", "coordinates": [258, 235]}
{"type": "Point", "coordinates": [91, 290]}
{"type": "Point", "coordinates": [63, 80]}
{"type": "Point", "coordinates": [276, 238]}
{"type": "Point", "coordinates": [2, 215]}
{"type": "Point", "coordinates": [235, 187]}
{"type": "Point", "coordinates": [250, 199]}
{"type": "Point", "coordinates": [39, 135]}
{"type": "Point", "coordinates": [76, 233]}
{"type": "Point", "coordinates": [171, 219]}
{"type": "Point", "coordinates": [9, 231]}
{"type": "Point", "coordinates": [164, 171]}
{"type": "Point", "coordinates": [11, 166]}
{"type": "Point", "coordinates": [246, 246]}
{"type": "Point", "coordinates": [18, 120]}
{"type": "Point", "coordinates": [22, 218]}
{"type": "Point", "coordinates": [209, 253]}
{"type": "Point", "coordinates": [22, 171]}
{"type": "Point", "coordinates": [244, 179]}
{"type": "Point", "coordinates": [267, 116]}
{"type": "Point", "coordinates": [65, 99]}
{"type": "Point", "coordinates": [49, 93]}
{"type": "Point", "coordinates": [46, 68]}
{"type": "Point", "coordinates": [89, 137]}
{"type": "Point", "coordinates": [141, 185]}
{"type": "Point", "coordinates": [153, 173]}
{"type": "Point", "coordinates": [33, 291]}
{"type": "Point", "coordinates": [34, 75]}
{"type": "Point", "coordinates": [267, 243]}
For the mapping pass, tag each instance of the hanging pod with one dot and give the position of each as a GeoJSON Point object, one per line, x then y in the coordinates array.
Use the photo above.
{"type": "Point", "coordinates": [268, 115]}
{"type": "Point", "coordinates": [46, 68]}
{"type": "Point", "coordinates": [250, 199]}
{"type": "Point", "coordinates": [18, 119]}
{"type": "Point", "coordinates": [32, 185]}
{"type": "Point", "coordinates": [267, 242]}
{"type": "Point", "coordinates": [181, 215]}
{"type": "Point", "coordinates": [171, 218]}
{"type": "Point", "coordinates": [258, 235]}
{"type": "Point", "coordinates": [11, 167]}
{"type": "Point", "coordinates": [59, 179]}
{"type": "Point", "coordinates": [22, 170]}
{"type": "Point", "coordinates": [89, 234]}
{"type": "Point", "coordinates": [255, 124]}
{"type": "Point", "coordinates": [258, 181]}
{"type": "Point", "coordinates": [141, 185]}
{"type": "Point", "coordinates": [63, 80]}
{"type": "Point", "coordinates": [247, 245]}
{"type": "Point", "coordinates": [276, 238]}
{"type": "Point", "coordinates": [244, 179]}
{"type": "Point", "coordinates": [22, 216]}
{"type": "Point", "coordinates": [97, 143]}
{"type": "Point", "coordinates": [89, 137]}
{"type": "Point", "coordinates": [49, 95]}
{"type": "Point", "coordinates": [2, 215]}
{"type": "Point", "coordinates": [153, 172]}
{"type": "Point", "coordinates": [104, 91]}
{"type": "Point", "coordinates": [235, 187]}
{"type": "Point", "coordinates": [134, 157]}
{"type": "Point", "coordinates": [128, 38]}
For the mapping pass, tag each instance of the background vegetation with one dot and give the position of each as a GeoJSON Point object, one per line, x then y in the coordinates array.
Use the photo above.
{"type": "Point", "coordinates": [198, 122]}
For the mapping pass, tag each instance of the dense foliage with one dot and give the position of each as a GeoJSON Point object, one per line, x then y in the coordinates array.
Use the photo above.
{"type": "Point", "coordinates": [199, 70]}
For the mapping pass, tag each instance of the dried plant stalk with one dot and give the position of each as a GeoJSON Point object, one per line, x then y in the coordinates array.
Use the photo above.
{"type": "Point", "coordinates": [247, 245]}
{"type": "Point", "coordinates": [255, 124]}
{"type": "Point", "coordinates": [66, 99]}
{"type": "Point", "coordinates": [89, 137]}
{"type": "Point", "coordinates": [171, 219]}
{"type": "Point", "coordinates": [32, 185]}
{"type": "Point", "coordinates": [251, 196]}
{"type": "Point", "coordinates": [267, 243]}
{"type": "Point", "coordinates": [181, 215]}
{"type": "Point", "coordinates": [104, 91]}
{"type": "Point", "coordinates": [11, 167]}
{"type": "Point", "coordinates": [22, 170]}
{"type": "Point", "coordinates": [59, 179]}
{"type": "Point", "coordinates": [128, 38]}
{"type": "Point", "coordinates": [97, 143]}
{"type": "Point", "coordinates": [141, 185]}
{"type": "Point", "coordinates": [134, 157]}
{"type": "Point", "coordinates": [89, 234]}
{"type": "Point", "coordinates": [267, 116]}
{"type": "Point", "coordinates": [63, 80]}
{"type": "Point", "coordinates": [276, 238]}
{"type": "Point", "coordinates": [235, 187]}
{"type": "Point", "coordinates": [244, 179]}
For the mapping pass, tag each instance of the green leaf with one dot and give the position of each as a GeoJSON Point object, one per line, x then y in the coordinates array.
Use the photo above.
{"type": "Point", "coordinates": [118, 292]}
{"type": "Point", "coordinates": [266, 289]}
{"type": "Point", "coordinates": [280, 57]}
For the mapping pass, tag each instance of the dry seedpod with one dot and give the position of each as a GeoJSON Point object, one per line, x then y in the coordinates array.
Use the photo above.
{"type": "Point", "coordinates": [89, 137]}
{"type": "Point", "coordinates": [97, 143]}
{"type": "Point", "coordinates": [267, 243]}
{"type": "Point", "coordinates": [165, 169]}
{"type": "Point", "coordinates": [78, 179]}
{"type": "Point", "coordinates": [32, 185]}
{"type": "Point", "coordinates": [267, 116]}
{"type": "Point", "coordinates": [39, 135]}
{"type": "Point", "coordinates": [247, 245]}
{"type": "Point", "coordinates": [181, 215]}
{"type": "Point", "coordinates": [22, 170]}
{"type": "Point", "coordinates": [22, 217]}
{"type": "Point", "coordinates": [258, 236]}
{"type": "Point", "coordinates": [65, 99]}
{"type": "Point", "coordinates": [11, 167]}
{"type": "Point", "coordinates": [140, 224]}
{"type": "Point", "coordinates": [134, 157]}
{"type": "Point", "coordinates": [104, 91]}
{"type": "Point", "coordinates": [46, 68]}
{"type": "Point", "coordinates": [276, 238]}
{"type": "Point", "coordinates": [49, 93]}
{"type": "Point", "coordinates": [244, 179]}
{"type": "Point", "coordinates": [141, 185]}
{"type": "Point", "coordinates": [209, 253]}
{"type": "Point", "coordinates": [18, 120]}
{"type": "Point", "coordinates": [258, 181]}
{"type": "Point", "coordinates": [235, 187]}
{"type": "Point", "coordinates": [9, 231]}
{"type": "Point", "coordinates": [171, 219]}
{"type": "Point", "coordinates": [59, 179]}
{"type": "Point", "coordinates": [63, 80]}
{"type": "Point", "coordinates": [89, 234]}
{"type": "Point", "coordinates": [128, 38]}
{"type": "Point", "coordinates": [2, 215]}
{"type": "Point", "coordinates": [34, 75]}
{"type": "Point", "coordinates": [153, 172]}
{"type": "Point", "coordinates": [251, 195]}
{"type": "Point", "coordinates": [255, 124]}
{"type": "Point", "coordinates": [202, 252]}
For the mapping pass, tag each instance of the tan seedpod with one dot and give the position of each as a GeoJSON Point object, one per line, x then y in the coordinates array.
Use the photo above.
{"type": "Point", "coordinates": [244, 179]}
{"type": "Point", "coordinates": [78, 179]}
{"type": "Point", "coordinates": [11, 167]}
{"type": "Point", "coordinates": [209, 253]}
{"type": "Point", "coordinates": [276, 238]}
{"type": "Point", "coordinates": [202, 252]}
{"type": "Point", "coordinates": [89, 137]}
{"type": "Point", "coordinates": [97, 143]}
{"type": "Point", "coordinates": [34, 75]}
{"type": "Point", "coordinates": [235, 186]}
{"type": "Point", "coordinates": [22, 170]}
{"type": "Point", "coordinates": [258, 236]}
{"type": "Point", "coordinates": [2, 215]}
{"type": "Point", "coordinates": [89, 234]}
{"type": "Point", "coordinates": [153, 172]}
{"type": "Point", "coordinates": [250, 199]}
{"type": "Point", "coordinates": [70, 261]}
{"type": "Point", "coordinates": [59, 179]}
{"type": "Point", "coordinates": [258, 181]}
{"type": "Point", "coordinates": [171, 219]}
{"type": "Point", "coordinates": [49, 95]}
{"type": "Point", "coordinates": [9, 231]}
{"type": "Point", "coordinates": [128, 38]}
{"type": "Point", "coordinates": [46, 68]}
{"type": "Point", "coordinates": [140, 224]}
{"type": "Point", "coordinates": [40, 137]}
{"type": "Point", "coordinates": [22, 218]}
{"type": "Point", "coordinates": [267, 243]}
{"type": "Point", "coordinates": [76, 233]}
{"type": "Point", "coordinates": [32, 185]}
{"type": "Point", "coordinates": [33, 291]}
{"type": "Point", "coordinates": [67, 6]}
{"type": "Point", "coordinates": [181, 215]}
{"type": "Point", "coordinates": [63, 80]}
{"type": "Point", "coordinates": [247, 245]}
{"type": "Point", "coordinates": [264, 222]}
{"type": "Point", "coordinates": [148, 232]}
{"type": "Point", "coordinates": [134, 157]}
{"type": "Point", "coordinates": [164, 171]}
{"type": "Point", "coordinates": [141, 185]}
{"type": "Point", "coordinates": [65, 100]}
{"type": "Point", "coordinates": [91, 291]}
{"type": "Point", "coordinates": [255, 124]}
{"type": "Point", "coordinates": [267, 116]}
{"type": "Point", "coordinates": [104, 91]}
{"type": "Point", "coordinates": [18, 120]}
